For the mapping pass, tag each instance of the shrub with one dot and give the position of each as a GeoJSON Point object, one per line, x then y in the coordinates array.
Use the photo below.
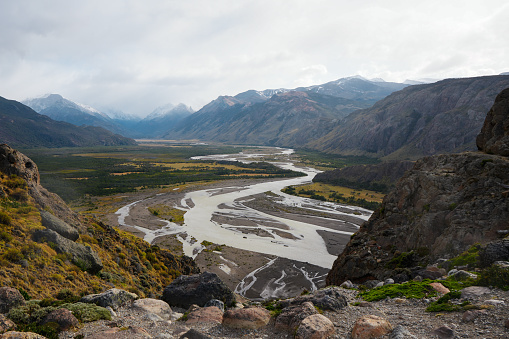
{"type": "Point", "coordinates": [87, 312]}
{"type": "Point", "coordinates": [495, 276]}
{"type": "Point", "coordinates": [13, 255]}
{"type": "Point", "coordinates": [5, 236]}
{"type": "Point", "coordinates": [469, 257]}
{"type": "Point", "coordinates": [67, 295]}
{"type": "Point", "coordinates": [5, 218]}
{"type": "Point", "coordinates": [25, 294]}
{"type": "Point", "coordinates": [409, 289]}
{"type": "Point", "coordinates": [405, 259]}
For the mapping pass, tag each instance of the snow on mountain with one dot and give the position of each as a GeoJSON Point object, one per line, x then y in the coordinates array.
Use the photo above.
{"type": "Point", "coordinates": [169, 110]}
{"type": "Point", "coordinates": [57, 101]}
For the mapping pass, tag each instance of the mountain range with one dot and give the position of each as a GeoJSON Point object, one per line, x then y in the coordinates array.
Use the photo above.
{"type": "Point", "coordinates": [406, 122]}
{"type": "Point", "coordinates": [281, 117]}
{"type": "Point", "coordinates": [443, 117]}
{"type": "Point", "coordinates": [23, 127]}
{"type": "Point", "coordinates": [153, 126]}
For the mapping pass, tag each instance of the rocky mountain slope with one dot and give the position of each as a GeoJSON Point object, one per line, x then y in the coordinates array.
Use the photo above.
{"type": "Point", "coordinates": [281, 117]}
{"type": "Point", "coordinates": [46, 247]}
{"type": "Point", "coordinates": [153, 125]}
{"type": "Point", "coordinates": [419, 120]}
{"type": "Point", "coordinates": [287, 119]}
{"type": "Point", "coordinates": [23, 127]}
{"type": "Point", "coordinates": [438, 209]}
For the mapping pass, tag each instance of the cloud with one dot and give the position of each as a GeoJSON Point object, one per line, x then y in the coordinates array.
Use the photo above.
{"type": "Point", "coordinates": [136, 55]}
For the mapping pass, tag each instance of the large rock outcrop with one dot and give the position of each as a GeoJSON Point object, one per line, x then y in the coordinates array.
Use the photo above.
{"type": "Point", "coordinates": [15, 162]}
{"type": "Point", "coordinates": [437, 210]}
{"type": "Point", "coordinates": [494, 136]}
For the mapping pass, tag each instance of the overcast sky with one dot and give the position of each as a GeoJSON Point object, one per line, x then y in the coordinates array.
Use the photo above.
{"type": "Point", "coordinates": [136, 55]}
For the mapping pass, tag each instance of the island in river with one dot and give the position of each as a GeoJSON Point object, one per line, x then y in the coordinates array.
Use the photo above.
{"type": "Point", "coordinates": [263, 243]}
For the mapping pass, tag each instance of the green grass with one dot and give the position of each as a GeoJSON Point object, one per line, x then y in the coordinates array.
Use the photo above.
{"type": "Point", "coordinates": [409, 289]}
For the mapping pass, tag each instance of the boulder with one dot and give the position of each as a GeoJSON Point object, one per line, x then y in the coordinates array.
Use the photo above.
{"type": "Point", "coordinates": [6, 324]}
{"type": "Point", "coordinates": [494, 251]}
{"type": "Point", "coordinates": [432, 272]}
{"type": "Point", "coordinates": [401, 332]}
{"type": "Point", "coordinates": [21, 335]}
{"type": "Point", "coordinates": [154, 306]}
{"type": "Point", "coordinates": [494, 136]}
{"type": "Point", "coordinates": [214, 302]}
{"type": "Point", "coordinates": [247, 318]}
{"type": "Point", "coordinates": [315, 326]}
{"type": "Point", "coordinates": [121, 333]}
{"type": "Point", "coordinates": [63, 317]}
{"type": "Point", "coordinates": [194, 334]}
{"type": "Point", "coordinates": [471, 315]}
{"type": "Point", "coordinates": [443, 332]}
{"type": "Point", "coordinates": [290, 318]}
{"type": "Point", "coordinates": [82, 256]}
{"type": "Point", "coordinates": [115, 298]}
{"type": "Point", "coordinates": [439, 288]}
{"type": "Point", "coordinates": [474, 292]}
{"type": "Point", "coordinates": [53, 223]}
{"type": "Point", "coordinates": [197, 289]}
{"type": "Point", "coordinates": [327, 299]}
{"type": "Point", "coordinates": [10, 298]}
{"type": "Point", "coordinates": [370, 326]}
{"type": "Point", "coordinates": [210, 314]}
{"type": "Point", "coordinates": [461, 275]}
{"type": "Point", "coordinates": [15, 162]}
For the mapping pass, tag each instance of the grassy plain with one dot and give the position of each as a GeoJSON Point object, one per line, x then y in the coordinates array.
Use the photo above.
{"type": "Point", "coordinates": [74, 173]}
{"type": "Point", "coordinates": [326, 192]}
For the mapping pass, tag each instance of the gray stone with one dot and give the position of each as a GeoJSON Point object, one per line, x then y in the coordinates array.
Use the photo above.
{"type": "Point", "coordinates": [10, 298]}
{"type": "Point", "coordinates": [327, 299]}
{"type": "Point", "coordinates": [197, 289]}
{"type": "Point", "coordinates": [494, 136]}
{"type": "Point", "coordinates": [461, 275]}
{"type": "Point", "coordinates": [289, 319]}
{"type": "Point", "coordinates": [194, 334]}
{"type": "Point", "coordinates": [315, 326]}
{"type": "Point", "coordinates": [347, 284]}
{"type": "Point", "coordinates": [48, 220]}
{"type": "Point", "coordinates": [494, 251]}
{"type": "Point", "coordinates": [217, 303]}
{"type": "Point", "coordinates": [63, 317]}
{"type": "Point", "coordinates": [154, 306]}
{"type": "Point", "coordinates": [443, 332]}
{"type": "Point", "coordinates": [474, 292]}
{"type": "Point", "coordinates": [82, 256]}
{"type": "Point", "coordinates": [401, 332]}
{"type": "Point", "coordinates": [6, 324]}
{"type": "Point", "coordinates": [115, 298]}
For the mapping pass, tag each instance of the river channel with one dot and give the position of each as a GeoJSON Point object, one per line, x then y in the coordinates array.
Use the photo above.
{"type": "Point", "coordinates": [302, 236]}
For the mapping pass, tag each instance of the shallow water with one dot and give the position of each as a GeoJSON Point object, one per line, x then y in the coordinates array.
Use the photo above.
{"type": "Point", "coordinates": [305, 245]}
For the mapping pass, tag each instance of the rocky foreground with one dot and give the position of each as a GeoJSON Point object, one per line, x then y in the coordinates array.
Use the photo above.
{"type": "Point", "coordinates": [196, 311]}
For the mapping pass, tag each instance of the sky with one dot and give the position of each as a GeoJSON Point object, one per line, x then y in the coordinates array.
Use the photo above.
{"type": "Point", "coordinates": [136, 55]}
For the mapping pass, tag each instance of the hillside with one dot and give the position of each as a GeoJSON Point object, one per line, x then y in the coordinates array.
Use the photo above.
{"type": "Point", "coordinates": [281, 117]}
{"type": "Point", "coordinates": [21, 126]}
{"type": "Point", "coordinates": [44, 267]}
{"type": "Point", "coordinates": [419, 120]}
{"type": "Point", "coordinates": [287, 119]}
{"type": "Point", "coordinates": [439, 209]}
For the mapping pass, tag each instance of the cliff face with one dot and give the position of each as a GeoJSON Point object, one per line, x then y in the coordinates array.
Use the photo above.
{"type": "Point", "coordinates": [444, 117]}
{"type": "Point", "coordinates": [438, 209]}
